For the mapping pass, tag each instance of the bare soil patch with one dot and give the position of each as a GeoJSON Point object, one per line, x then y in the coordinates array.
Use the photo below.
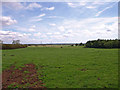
{"type": "Point", "coordinates": [23, 77]}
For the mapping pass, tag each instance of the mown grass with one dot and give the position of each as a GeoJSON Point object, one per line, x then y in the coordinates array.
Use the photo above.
{"type": "Point", "coordinates": [68, 67]}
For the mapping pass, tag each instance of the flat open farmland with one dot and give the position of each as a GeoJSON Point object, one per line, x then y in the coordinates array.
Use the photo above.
{"type": "Point", "coordinates": [67, 67]}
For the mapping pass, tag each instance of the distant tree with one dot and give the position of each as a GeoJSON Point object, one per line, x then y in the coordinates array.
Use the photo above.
{"type": "Point", "coordinates": [1, 42]}
{"type": "Point", "coordinates": [76, 44]}
{"type": "Point", "coordinates": [16, 42]}
{"type": "Point", "coordinates": [80, 44]}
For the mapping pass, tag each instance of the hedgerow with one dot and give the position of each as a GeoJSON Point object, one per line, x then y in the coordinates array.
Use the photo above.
{"type": "Point", "coordinates": [13, 46]}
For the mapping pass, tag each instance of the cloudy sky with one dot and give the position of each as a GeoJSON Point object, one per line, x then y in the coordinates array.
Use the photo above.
{"type": "Point", "coordinates": [58, 22]}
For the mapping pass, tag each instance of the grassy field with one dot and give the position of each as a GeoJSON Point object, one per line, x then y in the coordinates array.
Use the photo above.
{"type": "Point", "coordinates": [68, 67]}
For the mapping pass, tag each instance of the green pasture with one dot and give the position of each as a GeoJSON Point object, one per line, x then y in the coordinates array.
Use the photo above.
{"type": "Point", "coordinates": [68, 67]}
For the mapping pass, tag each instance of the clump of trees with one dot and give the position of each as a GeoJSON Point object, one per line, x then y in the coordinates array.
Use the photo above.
{"type": "Point", "coordinates": [1, 42]}
{"type": "Point", "coordinates": [103, 43]}
{"type": "Point", "coordinates": [15, 44]}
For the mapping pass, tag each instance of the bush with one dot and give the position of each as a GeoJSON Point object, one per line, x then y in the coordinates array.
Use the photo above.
{"type": "Point", "coordinates": [13, 46]}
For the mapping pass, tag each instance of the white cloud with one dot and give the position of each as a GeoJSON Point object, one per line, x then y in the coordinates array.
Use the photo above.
{"type": "Point", "coordinates": [43, 36]}
{"type": "Point", "coordinates": [32, 28]}
{"type": "Point", "coordinates": [6, 21]}
{"type": "Point", "coordinates": [98, 3]}
{"type": "Point", "coordinates": [67, 35]}
{"type": "Point", "coordinates": [25, 29]}
{"type": "Point", "coordinates": [78, 30]}
{"type": "Point", "coordinates": [4, 32]}
{"type": "Point", "coordinates": [41, 15]}
{"type": "Point", "coordinates": [91, 28]}
{"type": "Point", "coordinates": [33, 5]}
{"type": "Point", "coordinates": [9, 36]}
{"type": "Point", "coordinates": [19, 6]}
{"type": "Point", "coordinates": [71, 4]}
{"type": "Point", "coordinates": [56, 33]}
{"type": "Point", "coordinates": [76, 4]}
{"type": "Point", "coordinates": [37, 34]}
{"type": "Point", "coordinates": [49, 33]}
{"type": "Point", "coordinates": [56, 37]}
{"type": "Point", "coordinates": [13, 5]}
{"type": "Point", "coordinates": [90, 7]}
{"type": "Point", "coordinates": [61, 28]}
{"type": "Point", "coordinates": [37, 18]}
{"type": "Point", "coordinates": [104, 10]}
{"type": "Point", "coordinates": [69, 31]}
{"type": "Point", "coordinates": [50, 8]}
{"type": "Point", "coordinates": [54, 17]}
{"type": "Point", "coordinates": [73, 31]}
{"type": "Point", "coordinates": [34, 19]}
{"type": "Point", "coordinates": [52, 24]}
{"type": "Point", "coordinates": [86, 4]}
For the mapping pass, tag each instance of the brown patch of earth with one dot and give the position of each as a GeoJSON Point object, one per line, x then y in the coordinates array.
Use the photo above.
{"type": "Point", "coordinates": [12, 55]}
{"type": "Point", "coordinates": [24, 77]}
{"type": "Point", "coordinates": [84, 69]}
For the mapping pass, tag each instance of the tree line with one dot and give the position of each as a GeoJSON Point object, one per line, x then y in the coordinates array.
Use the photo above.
{"type": "Point", "coordinates": [100, 43]}
{"type": "Point", "coordinates": [103, 43]}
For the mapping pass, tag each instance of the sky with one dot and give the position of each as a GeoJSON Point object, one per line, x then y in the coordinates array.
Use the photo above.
{"type": "Point", "coordinates": [58, 22]}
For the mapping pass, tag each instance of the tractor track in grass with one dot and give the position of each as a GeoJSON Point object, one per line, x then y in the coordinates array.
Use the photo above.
{"type": "Point", "coordinates": [23, 77]}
